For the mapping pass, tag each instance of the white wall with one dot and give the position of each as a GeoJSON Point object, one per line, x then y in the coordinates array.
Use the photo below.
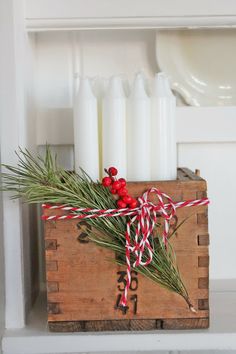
{"type": "Point", "coordinates": [2, 278]}
{"type": "Point", "coordinates": [217, 162]}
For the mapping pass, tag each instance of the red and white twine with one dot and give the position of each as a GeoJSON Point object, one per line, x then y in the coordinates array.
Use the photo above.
{"type": "Point", "coordinates": [142, 221]}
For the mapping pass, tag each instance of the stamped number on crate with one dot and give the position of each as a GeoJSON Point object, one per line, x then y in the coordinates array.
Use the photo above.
{"type": "Point", "coordinates": [121, 283]}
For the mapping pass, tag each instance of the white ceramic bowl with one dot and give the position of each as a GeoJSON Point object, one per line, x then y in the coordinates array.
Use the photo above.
{"type": "Point", "coordinates": [201, 64]}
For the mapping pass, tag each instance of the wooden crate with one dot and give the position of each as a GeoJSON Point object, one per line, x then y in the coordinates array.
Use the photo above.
{"type": "Point", "coordinates": [84, 287]}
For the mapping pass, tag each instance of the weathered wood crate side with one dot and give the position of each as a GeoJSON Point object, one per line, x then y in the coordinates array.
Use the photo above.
{"type": "Point", "coordinates": [84, 286]}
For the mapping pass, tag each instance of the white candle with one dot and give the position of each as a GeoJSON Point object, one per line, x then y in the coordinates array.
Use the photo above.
{"type": "Point", "coordinates": [138, 138]}
{"type": "Point", "coordinates": [126, 86]}
{"type": "Point", "coordinates": [100, 85]}
{"type": "Point", "coordinates": [163, 152]}
{"type": "Point", "coordinates": [86, 130]}
{"type": "Point", "coordinates": [114, 126]}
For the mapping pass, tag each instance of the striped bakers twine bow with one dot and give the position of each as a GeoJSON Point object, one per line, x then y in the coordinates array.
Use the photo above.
{"type": "Point", "coordinates": [143, 219]}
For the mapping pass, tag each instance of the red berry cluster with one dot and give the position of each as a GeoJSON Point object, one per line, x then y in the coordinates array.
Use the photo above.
{"type": "Point", "coordinates": [118, 186]}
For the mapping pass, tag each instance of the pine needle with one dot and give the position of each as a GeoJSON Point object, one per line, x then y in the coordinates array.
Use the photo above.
{"type": "Point", "coordinates": [40, 180]}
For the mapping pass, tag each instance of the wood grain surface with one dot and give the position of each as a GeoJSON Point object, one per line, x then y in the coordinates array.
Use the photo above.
{"type": "Point", "coordinates": [84, 286]}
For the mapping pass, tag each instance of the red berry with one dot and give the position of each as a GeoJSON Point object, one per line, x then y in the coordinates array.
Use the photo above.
{"type": "Point", "coordinates": [122, 192]}
{"type": "Point", "coordinates": [106, 181]}
{"type": "Point", "coordinates": [116, 185]}
{"type": "Point", "coordinates": [133, 204]}
{"type": "Point", "coordinates": [113, 191]}
{"type": "Point", "coordinates": [112, 171]}
{"type": "Point", "coordinates": [121, 204]}
{"type": "Point", "coordinates": [127, 199]}
{"type": "Point", "coordinates": [122, 182]}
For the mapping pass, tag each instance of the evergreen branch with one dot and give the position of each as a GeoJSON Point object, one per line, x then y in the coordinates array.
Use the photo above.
{"type": "Point", "coordinates": [39, 180]}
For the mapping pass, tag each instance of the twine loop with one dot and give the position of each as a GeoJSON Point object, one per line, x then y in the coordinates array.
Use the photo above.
{"type": "Point", "coordinates": [143, 224]}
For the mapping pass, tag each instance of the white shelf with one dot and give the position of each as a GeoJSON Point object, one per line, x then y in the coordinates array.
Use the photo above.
{"type": "Point", "coordinates": [84, 14]}
{"type": "Point", "coordinates": [35, 337]}
{"type": "Point", "coordinates": [190, 123]}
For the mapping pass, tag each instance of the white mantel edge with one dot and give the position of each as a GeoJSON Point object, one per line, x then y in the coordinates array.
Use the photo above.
{"type": "Point", "coordinates": [162, 22]}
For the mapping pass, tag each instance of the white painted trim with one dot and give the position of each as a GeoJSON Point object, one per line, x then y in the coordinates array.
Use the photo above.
{"type": "Point", "coordinates": [194, 125]}
{"type": "Point", "coordinates": [127, 8]}
{"type": "Point", "coordinates": [2, 277]}
{"type": "Point", "coordinates": [55, 24]}
{"type": "Point", "coordinates": [12, 111]}
{"type": "Point", "coordinates": [92, 14]}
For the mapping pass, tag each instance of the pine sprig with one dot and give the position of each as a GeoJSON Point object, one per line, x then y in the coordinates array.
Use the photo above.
{"type": "Point", "coordinates": [40, 180]}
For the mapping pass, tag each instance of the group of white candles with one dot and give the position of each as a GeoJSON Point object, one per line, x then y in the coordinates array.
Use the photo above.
{"type": "Point", "coordinates": [135, 131]}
